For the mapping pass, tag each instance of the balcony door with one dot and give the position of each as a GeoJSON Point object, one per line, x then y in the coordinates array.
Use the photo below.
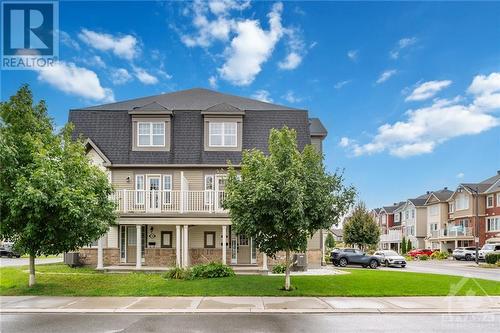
{"type": "Point", "coordinates": [220, 183]}
{"type": "Point", "coordinates": [153, 196]}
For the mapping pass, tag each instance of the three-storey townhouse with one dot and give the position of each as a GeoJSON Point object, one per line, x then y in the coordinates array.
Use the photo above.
{"type": "Point", "coordinates": [390, 216]}
{"type": "Point", "coordinates": [166, 157]}
{"type": "Point", "coordinates": [492, 212]}
{"type": "Point", "coordinates": [414, 220]}
{"type": "Point", "coordinates": [437, 219]}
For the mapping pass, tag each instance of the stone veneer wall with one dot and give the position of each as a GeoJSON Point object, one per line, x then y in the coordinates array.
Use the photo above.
{"type": "Point", "coordinates": [313, 259]}
{"type": "Point", "coordinates": [88, 256]}
{"type": "Point", "coordinates": [160, 257]}
{"type": "Point", "coordinates": [203, 256]}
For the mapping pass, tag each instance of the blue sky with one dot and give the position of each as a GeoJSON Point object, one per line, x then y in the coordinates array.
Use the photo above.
{"type": "Point", "coordinates": [409, 92]}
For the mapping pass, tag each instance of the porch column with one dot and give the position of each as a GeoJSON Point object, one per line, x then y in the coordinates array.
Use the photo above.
{"type": "Point", "coordinates": [264, 262]}
{"type": "Point", "coordinates": [399, 248]}
{"type": "Point", "coordinates": [138, 247]}
{"type": "Point", "coordinates": [100, 262]}
{"type": "Point", "coordinates": [178, 245]}
{"type": "Point", "coordinates": [224, 254]}
{"type": "Point", "coordinates": [185, 246]}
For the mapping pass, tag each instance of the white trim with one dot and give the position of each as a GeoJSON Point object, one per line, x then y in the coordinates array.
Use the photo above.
{"type": "Point", "coordinates": [165, 190]}
{"type": "Point", "coordinates": [151, 134]}
{"type": "Point", "coordinates": [139, 196]}
{"type": "Point", "coordinates": [492, 201]}
{"type": "Point", "coordinates": [498, 199]}
{"type": "Point", "coordinates": [208, 195]}
{"type": "Point", "coordinates": [223, 134]}
{"type": "Point", "coordinates": [488, 221]}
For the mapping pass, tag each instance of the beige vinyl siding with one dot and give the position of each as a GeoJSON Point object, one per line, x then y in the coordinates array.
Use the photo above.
{"type": "Point", "coordinates": [119, 179]}
{"type": "Point", "coordinates": [317, 142]}
{"type": "Point", "coordinates": [156, 231]}
{"type": "Point", "coordinates": [113, 237]}
{"type": "Point", "coordinates": [197, 234]}
{"type": "Point", "coordinates": [421, 222]}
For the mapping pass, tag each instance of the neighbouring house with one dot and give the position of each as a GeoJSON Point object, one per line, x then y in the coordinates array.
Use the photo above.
{"type": "Point", "coordinates": [492, 213]}
{"type": "Point", "coordinates": [338, 235]}
{"type": "Point", "coordinates": [167, 156]}
{"type": "Point", "coordinates": [438, 237]}
{"type": "Point", "coordinates": [389, 220]}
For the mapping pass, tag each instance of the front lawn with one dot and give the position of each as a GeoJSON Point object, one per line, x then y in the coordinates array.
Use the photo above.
{"type": "Point", "coordinates": [60, 280]}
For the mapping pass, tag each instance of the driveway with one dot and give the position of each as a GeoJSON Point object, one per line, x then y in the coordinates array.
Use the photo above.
{"type": "Point", "coordinates": [9, 262]}
{"type": "Point", "coordinates": [448, 267]}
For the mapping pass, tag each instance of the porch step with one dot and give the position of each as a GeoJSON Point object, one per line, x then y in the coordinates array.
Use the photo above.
{"type": "Point", "coordinates": [248, 270]}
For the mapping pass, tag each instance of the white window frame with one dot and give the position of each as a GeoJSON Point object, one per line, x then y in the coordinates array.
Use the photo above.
{"type": "Point", "coordinates": [492, 201]}
{"type": "Point", "coordinates": [490, 221]}
{"type": "Point", "coordinates": [151, 135]}
{"type": "Point", "coordinates": [451, 207]}
{"type": "Point", "coordinates": [139, 192]}
{"type": "Point", "coordinates": [167, 192]}
{"type": "Point", "coordinates": [223, 134]}
{"type": "Point", "coordinates": [209, 192]}
{"type": "Point", "coordinates": [498, 199]}
{"type": "Point", "coordinates": [462, 202]}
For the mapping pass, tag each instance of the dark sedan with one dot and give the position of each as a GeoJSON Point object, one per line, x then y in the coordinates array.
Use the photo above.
{"type": "Point", "coordinates": [8, 252]}
{"type": "Point", "coordinates": [344, 257]}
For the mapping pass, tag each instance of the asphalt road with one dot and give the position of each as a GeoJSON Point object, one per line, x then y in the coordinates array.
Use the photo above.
{"type": "Point", "coordinates": [216, 322]}
{"type": "Point", "coordinates": [9, 262]}
{"type": "Point", "coordinates": [447, 267]}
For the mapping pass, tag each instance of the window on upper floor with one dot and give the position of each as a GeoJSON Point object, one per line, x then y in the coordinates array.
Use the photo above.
{"type": "Point", "coordinates": [433, 210]}
{"type": "Point", "coordinates": [223, 134]}
{"type": "Point", "coordinates": [407, 214]}
{"type": "Point", "coordinates": [493, 224]}
{"type": "Point", "coordinates": [396, 217]}
{"type": "Point", "coordinates": [489, 201]}
{"type": "Point", "coordinates": [451, 207]}
{"type": "Point", "coordinates": [150, 134]}
{"type": "Point", "coordinates": [413, 213]}
{"type": "Point", "coordinates": [462, 201]}
{"type": "Point", "coordinates": [498, 199]}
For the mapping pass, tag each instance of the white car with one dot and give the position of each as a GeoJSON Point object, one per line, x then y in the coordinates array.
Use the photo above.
{"type": "Point", "coordinates": [390, 258]}
{"type": "Point", "coordinates": [488, 248]}
{"type": "Point", "coordinates": [464, 253]}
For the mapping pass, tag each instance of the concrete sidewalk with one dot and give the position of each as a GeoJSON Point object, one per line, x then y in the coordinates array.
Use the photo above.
{"type": "Point", "coordinates": [452, 304]}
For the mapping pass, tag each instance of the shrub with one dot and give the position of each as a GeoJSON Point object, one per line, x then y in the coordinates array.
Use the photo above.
{"type": "Point", "coordinates": [439, 255]}
{"type": "Point", "coordinates": [210, 271]}
{"type": "Point", "coordinates": [279, 268]}
{"type": "Point", "coordinates": [492, 258]}
{"type": "Point", "coordinates": [408, 258]}
{"type": "Point", "coordinates": [423, 257]}
{"type": "Point", "coordinates": [177, 273]}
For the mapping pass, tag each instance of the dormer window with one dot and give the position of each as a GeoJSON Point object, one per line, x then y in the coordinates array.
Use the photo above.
{"type": "Point", "coordinates": [222, 134]}
{"type": "Point", "coordinates": [151, 134]}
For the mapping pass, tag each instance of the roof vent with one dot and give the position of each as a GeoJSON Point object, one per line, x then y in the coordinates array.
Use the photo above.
{"type": "Point", "coordinates": [428, 192]}
{"type": "Point", "coordinates": [445, 188]}
{"type": "Point", "coordinates": [394, 204]}
{"type": "Point", "coordinates": [498, 172]}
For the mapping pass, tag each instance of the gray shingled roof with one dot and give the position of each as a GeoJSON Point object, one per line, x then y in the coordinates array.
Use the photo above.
{"type": "Point", "coordinates": [481, 187]}
{"type": "Point", "coordinates": [110, 127]}
{"type": "Point", "coordinates": [492, 180]}
{"type": "Point", "coordinates": [442, 195]}
{"type": "Point", "coordinates": [191, 99]}
{"type": "Point", "coordinates": [317, 128]}
{"type": "Point", "coordinates": [391, 209]}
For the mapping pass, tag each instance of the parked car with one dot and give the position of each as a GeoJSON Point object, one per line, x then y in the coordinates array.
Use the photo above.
{"type": "Point", "coordinates": [344, 257]}
{"type": "Point", "coordinates": [464, 253]}
{"type": "Point", "coordinates": [488, 248]}
{"type": "Point", "coordinates": [420, 252]}
{"type": "Point", "coordinates": [390, 258]}
{"type": "Point", "coordinates": [6, 251]}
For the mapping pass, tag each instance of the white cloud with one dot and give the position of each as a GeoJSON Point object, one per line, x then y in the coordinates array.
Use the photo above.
{"type": "Point", "coordinates": [251, 47]}
{"type": "Point", "coordinates": [386, 75]}
{"type": "Point", "coordinates": [402, 44]}
{"type": "Point", "coordinates": [124, 47]}
{"type": "Point", "coordinates": [75, 80]}
{"type": "Point", "coordinates": [460, 175]}
{"type": "Point", "coordinates": [353, 54]}
{"type": "Point", "coordinates": [344, 142]}
{"type": "Point", "coordinates": [142, 75]}
{"type": "Point", "coordinates": [66, 39]}
{"type": "Point", "coordinates": [212, 81]}
{"type": "Point", "coordinates": [340, 84]}
{"type": "Point", "coordinates": [427, 90]}
{"type": "Point", "coordinates": [427, 127]}
{"type": "Point", "coordinates": [120, 76]}
{"type": "Point", "coordinates": [263, 95]}
{"type": "Point", "coordinates": [296, 49]}
{"type": "Point", "coordinates": [291, 61]}
{"type": "Point", "coordinates": [291, 98]}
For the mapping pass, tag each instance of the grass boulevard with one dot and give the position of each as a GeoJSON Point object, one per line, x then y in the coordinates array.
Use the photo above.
{"type": "Point", "coordinates": [60, 280]}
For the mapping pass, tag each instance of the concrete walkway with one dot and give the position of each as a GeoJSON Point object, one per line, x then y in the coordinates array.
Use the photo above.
{"type": "Point", "coordinates": [452, 304]}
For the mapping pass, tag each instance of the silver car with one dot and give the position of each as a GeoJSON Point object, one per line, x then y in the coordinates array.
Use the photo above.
{"type": "Point", "coordinates": [390, 258]}
{"type": "Point", "coordinates": [488, 248]}
{"type": "Point", "coordinates": [464, 253]}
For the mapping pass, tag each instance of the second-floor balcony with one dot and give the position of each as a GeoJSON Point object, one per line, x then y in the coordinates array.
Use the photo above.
{"type": "Point", "coordinates": [174, 202]}
{"type": "Point", "coordinates": [452, 232]}
{"type": "Point", "coordinates": [393, 236]}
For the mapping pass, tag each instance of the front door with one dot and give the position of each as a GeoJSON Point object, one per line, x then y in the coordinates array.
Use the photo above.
{"type": "Point", "coordinates": [153, 196]}
{"type": "Point", "coordinates": [243, 249]}
{"type": "Point", "coordinates": [234, 248]}
{"type": "Point", "coordinates": [131, 244]}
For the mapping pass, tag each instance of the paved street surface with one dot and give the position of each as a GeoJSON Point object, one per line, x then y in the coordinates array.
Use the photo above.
{"type": "Point", "coordinates": [45, 304]}
{"type": "Point", "coordinates": [447, 267]}
{"type": "Point", "coordinates": [6, 262]}
{"type": "Point", "coordinates": [220, 322]}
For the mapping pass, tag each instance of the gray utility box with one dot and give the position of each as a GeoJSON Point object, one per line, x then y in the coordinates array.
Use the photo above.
{"type": "Point", "coordinates": [299, 262]}
{"type": "Point", "coordinates": [72, 259]}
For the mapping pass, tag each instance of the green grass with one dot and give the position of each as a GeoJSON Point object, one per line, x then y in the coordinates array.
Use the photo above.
{"type": "Point", "coordinates": [60, 280]}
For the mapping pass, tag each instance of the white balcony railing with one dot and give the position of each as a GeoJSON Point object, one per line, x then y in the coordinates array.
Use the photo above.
{"type": "Point", "coordinates": [456, 232]}
{"type": "Point", "coordinates": [393, 236]}
{"type": "Point", "coordinates": [128, 201]}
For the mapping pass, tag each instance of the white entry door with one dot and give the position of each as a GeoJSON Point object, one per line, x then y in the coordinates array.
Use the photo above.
{"type": "Point", "coordinates": [153, 196]}
{"type": "Point", "coordinates": [234, 248]}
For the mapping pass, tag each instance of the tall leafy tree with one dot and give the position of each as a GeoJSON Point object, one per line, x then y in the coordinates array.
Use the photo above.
{"type": "Point", "coordinates": [52, 200]}
{"type": "Point", "coordinates": [283, 198]}
{"type": "Point", "coordinates": [360, 229]}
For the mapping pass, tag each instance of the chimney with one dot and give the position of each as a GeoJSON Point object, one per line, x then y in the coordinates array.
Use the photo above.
{"type": "Point", "coordinates": [394, 204]}
{"type": "Point", "coordinates": [498, 172]}
{"type": "Point", "coordinates": [428, 192]}
{"type": "Point", "coordinates": [445, 188]}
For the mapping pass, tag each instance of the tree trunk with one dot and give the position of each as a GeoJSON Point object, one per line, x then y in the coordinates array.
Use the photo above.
{"type": "Point", "coordinates": [287, 271]}
{"type": "Point", "coordinates": [32, 270]}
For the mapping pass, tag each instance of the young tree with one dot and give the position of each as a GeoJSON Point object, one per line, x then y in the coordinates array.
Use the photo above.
{"type": "Point", "coordinates": [360, 229]}
{"type": "Point", "coordinates": [409, 245]}
{"type": "Point", "coordinates": [403, 245]}
{"type": "Point", "coordinates": [329, 241]}
{"type": "Point", "coordinates": [283, 198]}
{"type": "Point", "coordinates": [52, 199]}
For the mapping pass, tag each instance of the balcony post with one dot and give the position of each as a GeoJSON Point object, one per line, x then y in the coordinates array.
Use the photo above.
{"type": "Point", "coordinates": [138, 248]}
{"type": "Point", "coordinates": [100, 261]}
{"type": "Point", "coordinates": [178, 245]}
{"type": "Point", "coordinates": [125, 201]}
{"type": "Point", "coordinates": [224, 253]}
{"type": "Point", "coordinates": [181, 199]}
{"type": "Point", "coordinates": [185, 246]}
